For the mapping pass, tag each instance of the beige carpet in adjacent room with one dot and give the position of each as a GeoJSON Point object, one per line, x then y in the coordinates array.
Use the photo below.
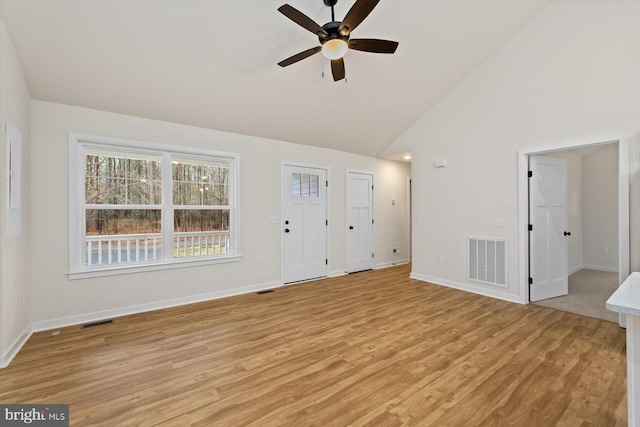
{"type": "Point", "coordinates": [589, 290]}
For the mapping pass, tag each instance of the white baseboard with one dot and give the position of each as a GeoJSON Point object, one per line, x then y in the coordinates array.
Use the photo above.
{"type": "Point", "coordinates": [61, 322]}
{"type": "Point", "coordinates": [15, 347]}
{"type": "Point", "coordinates": [391, 264]}
{"type": "Point", "coordinates": [465, 287]}
{"type": "Point", "coordinates": [337, 273]}
{"type": "Point", "coordinates": [575, 269]}
{"type": "Point", "coordinates": [600, 268]}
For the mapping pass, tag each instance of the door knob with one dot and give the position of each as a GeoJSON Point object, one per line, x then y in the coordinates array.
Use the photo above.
{"type": "Point", "coordinates": [567, 233]}
{"type": "Point", "coordinates": [351, 227]}
{"type": "Point", "coordinates": [286, 230]}
{"type": "Point", "coordinates": [286, 222]}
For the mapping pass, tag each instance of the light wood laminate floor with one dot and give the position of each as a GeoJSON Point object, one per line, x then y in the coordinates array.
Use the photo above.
{"type": "Point", "coordinates": [373, 348]}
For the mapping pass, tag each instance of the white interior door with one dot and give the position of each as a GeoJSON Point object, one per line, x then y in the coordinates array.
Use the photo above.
{"type": "Point", "coordinates": [360, 249]}
{"type": "Point", "coordinates": [548, 234]}
{"type": "Point", "coordinates": [304, 223]}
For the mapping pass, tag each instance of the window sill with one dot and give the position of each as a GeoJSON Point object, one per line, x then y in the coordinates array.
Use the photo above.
{"type": "Point", "coordinates": [163, 265]}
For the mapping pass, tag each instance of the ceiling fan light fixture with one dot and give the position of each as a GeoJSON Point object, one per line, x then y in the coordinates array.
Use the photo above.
{"type": "Point", "coordinates": [335, 48]}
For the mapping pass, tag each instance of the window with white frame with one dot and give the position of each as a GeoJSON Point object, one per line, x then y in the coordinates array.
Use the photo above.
{"type": "Point", "coordinates": [139, 205]}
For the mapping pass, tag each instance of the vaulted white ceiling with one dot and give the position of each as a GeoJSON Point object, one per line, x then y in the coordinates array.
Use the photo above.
{"type": "Point", "coordinates": [213, 63]}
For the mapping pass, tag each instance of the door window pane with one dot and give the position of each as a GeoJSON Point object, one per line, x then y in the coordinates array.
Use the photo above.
{"type": "Point", "coordinates": [305, 185]}
{"type": "Point", "coordinates": [296, 184]}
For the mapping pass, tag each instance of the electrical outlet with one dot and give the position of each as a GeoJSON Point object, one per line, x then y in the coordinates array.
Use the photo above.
{"type": "Point", "coordinates": [19, 299]}
{"type": "Point", "coordinates": [261, 262]}
{"type": "Point", "coordinates": [438, 258]}
{"type": "Point", "coordinates": [274, 219]}
{"type": "Point", "coordinates": [395, 251]}
{"type": "Point", "coordinates": [604, 251]}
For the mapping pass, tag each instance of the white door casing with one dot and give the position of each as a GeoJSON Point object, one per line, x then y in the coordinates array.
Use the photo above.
{"type": "Point", "coordinates": [548, 218]}
{"type": "Point", "coordinates": [360, 226]}
{"type": "Point", "coordinates": [304, 223]}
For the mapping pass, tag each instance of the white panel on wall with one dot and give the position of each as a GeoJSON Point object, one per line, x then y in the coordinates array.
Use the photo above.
{"type": "Point", "coordinates": [13, 180]}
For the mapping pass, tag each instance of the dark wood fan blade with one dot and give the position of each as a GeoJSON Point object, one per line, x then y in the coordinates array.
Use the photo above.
{"type": "Point", "coordinates": [337, 69]}
{"type": "Point", "coordinates": [300, 56]}
{"type": "Point", "coordinates": [301, 19]}
{"type": "Point", "coordinates": [360, 10]}
{"type": "Point", "coordinates": [373, 45]}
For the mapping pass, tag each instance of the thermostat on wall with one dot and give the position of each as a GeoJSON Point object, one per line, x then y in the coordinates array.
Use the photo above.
{"type": "Point", "coordinates": [440, 163]}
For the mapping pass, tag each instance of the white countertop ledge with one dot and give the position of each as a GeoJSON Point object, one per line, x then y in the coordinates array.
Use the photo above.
{"type": "Point", "coordinates": [626, 299]}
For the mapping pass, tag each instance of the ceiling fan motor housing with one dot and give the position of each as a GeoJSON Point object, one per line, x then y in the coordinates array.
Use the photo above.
{"type": "Point", "coordinates": [332, 30]}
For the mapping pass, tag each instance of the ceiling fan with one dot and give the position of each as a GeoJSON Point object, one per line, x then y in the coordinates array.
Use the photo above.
{"type": "Point", "coordinates": [334, 36]}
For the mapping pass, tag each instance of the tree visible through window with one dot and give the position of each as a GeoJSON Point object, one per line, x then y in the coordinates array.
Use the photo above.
{"type": "Point", "coordinates": [201, 205]}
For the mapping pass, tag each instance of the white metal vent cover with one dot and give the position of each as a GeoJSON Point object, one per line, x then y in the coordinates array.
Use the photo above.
{"type": "Point", "coordinates": [487, 261]}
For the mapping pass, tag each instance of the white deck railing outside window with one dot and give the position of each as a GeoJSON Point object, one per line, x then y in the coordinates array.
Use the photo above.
{"type": "Point", "coordinates": [127, 248]}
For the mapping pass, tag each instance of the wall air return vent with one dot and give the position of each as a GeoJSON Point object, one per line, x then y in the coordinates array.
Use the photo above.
{"type": "Point", "coordinates": [487, 261]}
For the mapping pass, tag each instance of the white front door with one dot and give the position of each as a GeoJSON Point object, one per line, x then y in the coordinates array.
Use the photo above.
{"type": "Point", "coordinates": [360, 250]}
{"type": "Point", "coordinates": [548, 228]}
{"type": "Point", "coordinates": [304, 223]}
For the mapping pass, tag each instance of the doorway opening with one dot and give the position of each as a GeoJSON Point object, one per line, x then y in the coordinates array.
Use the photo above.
{"type": "Point", "coordinates": [597, 256]}
{"type": "Point", "coordinates": [583, 251]}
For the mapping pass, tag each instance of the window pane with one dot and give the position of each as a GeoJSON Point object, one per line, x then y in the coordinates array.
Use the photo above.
{"type": "Point", "coordinates": [116, 236]}
{"type": "Point", "coordinates": [143, 192]}
{"type": "Point", "coordinates": [148, 168]}
{"type": "Point", "coordinates": [105, 164]}
{"type": "Point", "coordinates": [103, 191]}
{"type": "Point", "coordinates": [217, 195]}
{"type": "Point", "coordinates": [200, 232]}
{"type": "Point", "coordinates": [191, 220]}
{"type": "Point", "coordinates": [185, 193]}
{"type": "Point", "coordinates": [122, 221]}
{"type": "Point", "coordinates": [186, 170]}
{"type": "Point", "coordinates": [198, 182]}
{"type": "Point", "coordinates": [114, 177]}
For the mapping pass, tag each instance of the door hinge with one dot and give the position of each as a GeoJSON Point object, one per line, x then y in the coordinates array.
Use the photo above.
{"type": "Point", "coordinates": [326, 261]}
{"type": "Point", "coordinates": [530, 281]}
{"type": "Point", "coordinates": [326, 183]}
{"type": "Point", "coordinates": [326, 222]}
{"type": "Point", "coordinates": [372, 255]}
{"type": "Point", "coordinates": [530, 174]}
{"type": "Point", "coordinates": [372, 186]}
{"type": "Point", "coordinates": [530, 227]}
{"type": "Point", "coordinates": [373, 221]}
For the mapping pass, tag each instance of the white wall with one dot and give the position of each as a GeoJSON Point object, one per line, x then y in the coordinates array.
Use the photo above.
{"type": "Point", "coordinates": [574, 207]}
{"type": "Point", "coordinates": [14, 252]}
{"type": "Point", "coordinates": [58, 300]}
{"type": "Point", "coordinates": [571, 73]}
{"type": "Point", "coordinates": [599, 206]}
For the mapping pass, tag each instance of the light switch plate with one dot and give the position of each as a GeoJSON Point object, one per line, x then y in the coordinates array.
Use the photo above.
{"type": "Point", "coordinates": [498, 222]}
{"type": "Point", "coordinates": [274, 219]}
